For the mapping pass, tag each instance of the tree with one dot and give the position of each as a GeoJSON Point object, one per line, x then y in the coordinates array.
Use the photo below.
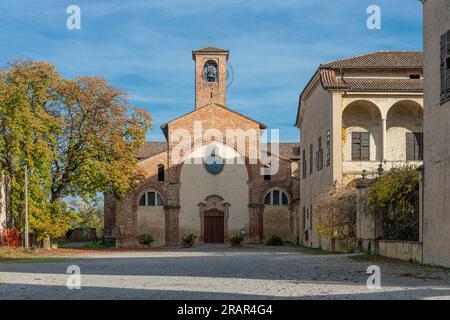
{"type": "Point", "coordinates": [100, 136]}
{"type": "Point", "coordinates": [77, 137]}
{"type": "Point", "coordinates": [26, 134]}
{"type": "Point", "coordinates": [89, 212]}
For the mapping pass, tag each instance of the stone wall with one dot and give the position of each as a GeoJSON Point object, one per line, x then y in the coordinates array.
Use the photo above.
{"type": "Point", "coordinates": [403, 250]}
{"type": "Point", "coordinates": [436, 228]}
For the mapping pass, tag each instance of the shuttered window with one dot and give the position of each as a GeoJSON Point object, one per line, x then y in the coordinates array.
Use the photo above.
{"type": "Point", "coordinates": [414, 146]}
{"type": "Point", "coordinates": [320, 155]}
{"type": "Point", "coordinates": [311, 158]}
{"type": "Point", "coordinates": [360, 146]}
{"type": "Point", "coordinates": [445, 67]}
{"type": "Point", "coordinates": [304, 164]}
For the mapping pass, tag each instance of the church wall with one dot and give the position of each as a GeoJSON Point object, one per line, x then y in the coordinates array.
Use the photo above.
{"type": "Point", "coordinates": [151, 220]}
{"type": "Point", "coordinates": [276, 222]}
{"type": "Point", "coordinates": [197, 184]}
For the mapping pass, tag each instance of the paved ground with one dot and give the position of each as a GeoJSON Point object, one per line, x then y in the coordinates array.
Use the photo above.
{"type": "Point", "coordinates": [220, 273]}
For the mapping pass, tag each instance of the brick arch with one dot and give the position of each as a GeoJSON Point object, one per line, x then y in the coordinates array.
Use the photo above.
{"type": "Point", "coordinates": [145, 187]}
{"type": "Point", "coordinates": [178, 167]}
{"type": "Point", "coordinates": [279, 186]}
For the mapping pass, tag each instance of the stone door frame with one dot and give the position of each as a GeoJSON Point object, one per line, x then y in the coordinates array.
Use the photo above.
{"type": "Point", "coordinates": [213, 203]}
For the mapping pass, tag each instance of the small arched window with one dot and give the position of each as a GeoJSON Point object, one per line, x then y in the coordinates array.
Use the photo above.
{"type": "Point", "coordinates": [151, 199]}
{"type": "Point", "coordinates": [210, 73]}
{"type": "Point", "coordinates": [160, 172]}
{"type": "Point", "coordinates": [276, 198]}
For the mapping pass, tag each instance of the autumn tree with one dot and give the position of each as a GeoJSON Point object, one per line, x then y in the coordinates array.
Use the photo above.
{"type": "Point", "coordinates": [77, 138]}
{"type": "Point", "coordinates": [101, 133]}
{"type": "Point", "coordinates": [27, 134]}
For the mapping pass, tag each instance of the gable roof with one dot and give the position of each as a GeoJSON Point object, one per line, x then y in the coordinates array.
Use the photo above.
{"type": "Point", "coordinates": [165, 125]}
{"type": "Point", "coordinates": [375, 61]}
{"type": "Point", "coordinates": [380, 60]}
{"type": "Point", "coordinates": [287, 150]}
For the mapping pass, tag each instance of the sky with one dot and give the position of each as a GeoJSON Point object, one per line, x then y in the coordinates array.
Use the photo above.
{"type": "Point", "coordinates": [144, 46]}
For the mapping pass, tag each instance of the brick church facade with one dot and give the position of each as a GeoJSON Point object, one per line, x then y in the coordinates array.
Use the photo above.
{"type": "Point", "coordinates": [207, 185]}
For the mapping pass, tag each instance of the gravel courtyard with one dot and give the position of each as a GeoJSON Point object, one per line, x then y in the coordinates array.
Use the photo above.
{"type": "Point", "coordinates": [220, 273]}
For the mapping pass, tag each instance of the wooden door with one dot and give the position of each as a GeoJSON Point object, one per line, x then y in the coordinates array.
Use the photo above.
{"type": "Point", "coordinates": [214, 229]}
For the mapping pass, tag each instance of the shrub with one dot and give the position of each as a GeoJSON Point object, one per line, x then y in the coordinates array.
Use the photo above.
{"type": "Point", "coordinates": [394, 199]}
{"type": "Point", "coordinates": [274, 241]}
{"type": "Point", "coordinates": [236, 240]}
{"type": "Point", "coordinates": [335, 212]}
{"type": "Point", "coordinates": [188, 241]}
{"type": "Point", "coordinates": [146, 239]}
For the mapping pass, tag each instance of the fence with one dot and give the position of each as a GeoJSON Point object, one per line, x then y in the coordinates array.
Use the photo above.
{"type": "Point", "coordinates": [10, 238]}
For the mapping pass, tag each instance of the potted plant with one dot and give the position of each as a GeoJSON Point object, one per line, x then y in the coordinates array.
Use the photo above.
{"type": "Point", "coordinates": [146, 239]}
{"type": "Point", "coordinates": [236, 241]}
{"type": "Point", "coordinates": [274, 241]}
{"type": "Point", "coordinates": [188, 241]}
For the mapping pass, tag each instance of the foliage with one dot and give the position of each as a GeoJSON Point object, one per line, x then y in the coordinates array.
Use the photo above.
{"type": "Point", "coordinates": [98, 141]}
{"type": "Point", "coordinates": [236, 240]}
{"type": "Point", "coordinates": [26, 134]}
{"type": "Point", "coordinates": [274, 241]}
{"type": "Point", "coordinates": [336, 212]}
{"type": "Point", "coordinates": [146, 239]}
{"type": "Point", "coordinates": [90, 214]}
{"type": "Point", "coordinates": [394, 199]}
{"type": "Point", "coordinates": [188, 241]}
{"type": "Point", "coordinates": [76, 137]}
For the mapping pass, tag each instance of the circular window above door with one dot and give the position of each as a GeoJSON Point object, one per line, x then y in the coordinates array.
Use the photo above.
{"type": "Point", "coordinates": [214, 165]}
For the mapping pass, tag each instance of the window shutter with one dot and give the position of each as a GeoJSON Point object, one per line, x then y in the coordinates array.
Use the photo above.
{"type": "Point", "coordinates": [317, 161]}
{"type": "Point", "coordinates": [410, 146]}
{"type": "Point", "coordinates": [443, 65]}
{"type": "Point", "coordinates": [365, 146]}
{"type": "Point", "coordinates": [419, 146]}
{"type": "Point", "coordinates": [356, 146]}
{"type": "Point", "coordinates": [321, 159]}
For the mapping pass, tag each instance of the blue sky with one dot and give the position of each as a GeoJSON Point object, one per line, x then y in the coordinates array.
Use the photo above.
{"type": "Point", "coordinates": [144, 47]}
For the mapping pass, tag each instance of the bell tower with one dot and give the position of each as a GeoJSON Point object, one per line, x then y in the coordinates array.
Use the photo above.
{"type": "Point", "coordinates": [210, 76]}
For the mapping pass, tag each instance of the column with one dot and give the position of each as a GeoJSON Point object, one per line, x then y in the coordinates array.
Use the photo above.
{"type": "Point", "coordinates": [384, 137]}
{"type": "Point", "coordinates": [256, 224]}
{"type": "Point", "coordinates": [172, 225]}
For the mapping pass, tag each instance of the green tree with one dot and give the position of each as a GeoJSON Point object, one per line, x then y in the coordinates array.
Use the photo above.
{"type": "Point", "coordinates": [100, 136]}
{"type": "Point", "coordinates": [77, 138]}
{"type": "Point", "coordinates": [90, 213]}
{"type": "Point", "coordinates": [27, 134]}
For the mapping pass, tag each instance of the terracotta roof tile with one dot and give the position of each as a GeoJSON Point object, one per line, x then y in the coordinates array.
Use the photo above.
{"type": "Point", "coordinates": [151, 149]}
{"type": "Point", "coordinates": [380, 60]}
{"type": "Point", "coordinates": [403, 85]}
{"type": "Point", "coordinates": [288, 150]}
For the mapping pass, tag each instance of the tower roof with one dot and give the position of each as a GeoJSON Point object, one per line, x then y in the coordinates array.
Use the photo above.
{"type": "Point", "coordinates": [210, 50]}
